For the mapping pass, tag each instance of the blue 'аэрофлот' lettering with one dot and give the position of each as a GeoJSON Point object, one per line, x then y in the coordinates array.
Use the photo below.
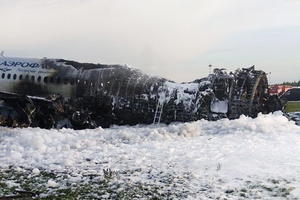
{"type": "Point", "coordinates": [20, 64]}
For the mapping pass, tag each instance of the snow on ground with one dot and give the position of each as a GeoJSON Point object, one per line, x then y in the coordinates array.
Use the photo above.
{"type": "Point", "coordinates": [243, 158]}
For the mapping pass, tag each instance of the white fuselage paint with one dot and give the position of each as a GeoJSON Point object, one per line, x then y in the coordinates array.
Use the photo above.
{"type": "Point", "coordinates": [13, 71]}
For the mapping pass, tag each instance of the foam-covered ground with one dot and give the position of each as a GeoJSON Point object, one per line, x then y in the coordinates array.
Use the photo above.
{"type": "Point", "coordinates": [240, 159]}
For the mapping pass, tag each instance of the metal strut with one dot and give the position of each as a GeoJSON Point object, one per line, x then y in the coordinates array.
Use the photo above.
{"type": "Point", "coordinates": [158, 113]}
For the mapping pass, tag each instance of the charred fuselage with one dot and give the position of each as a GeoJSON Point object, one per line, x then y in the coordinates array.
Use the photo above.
{"type": "Point", "coordinates": [59, 93]}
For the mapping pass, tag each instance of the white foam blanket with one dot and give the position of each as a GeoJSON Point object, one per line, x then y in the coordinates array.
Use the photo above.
{"type": "Point", "coordinates": [237, 151]}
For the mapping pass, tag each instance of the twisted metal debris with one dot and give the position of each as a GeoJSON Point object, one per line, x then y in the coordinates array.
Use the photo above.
{"type": "Point", "coordinates": [81, 95]}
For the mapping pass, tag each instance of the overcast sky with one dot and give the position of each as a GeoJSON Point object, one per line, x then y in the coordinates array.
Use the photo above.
{"type": "Point", "coordinates": [176, 39]}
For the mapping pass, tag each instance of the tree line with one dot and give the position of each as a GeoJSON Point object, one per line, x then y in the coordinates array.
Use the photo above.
{"type": "Point", "coordinates": [294, 83]}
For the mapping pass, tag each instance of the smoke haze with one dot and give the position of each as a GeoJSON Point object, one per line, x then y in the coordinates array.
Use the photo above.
{"type": "Point", "coordinates": [172, 38]}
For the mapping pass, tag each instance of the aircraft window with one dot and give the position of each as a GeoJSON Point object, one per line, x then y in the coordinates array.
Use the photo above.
{"type": "Point", "coordinates": [15, 76]}
{"type": "Point", "coordinates": [27, 77]}
{"type": "Point", "coordinates": [58, 80]}
{"type": "Point", "coordinates": [51, 79]}
{"type": "Point", "coordinates": [8, 76]}
{"type": "Point", "coordinates": [32, 78]}
{"type": "Point", "coordinates": [39, 79]}
{"type": "Point", "coordinates": [65, 81]}
{"type": "Point", "coordinates": [21, 77]}
{"type": "Point", "coordinates": [46, 79]}
{"type": "Point", "coordinates": [3, 75]}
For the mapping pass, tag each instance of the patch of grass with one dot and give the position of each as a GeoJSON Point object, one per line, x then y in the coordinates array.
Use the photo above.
{"type": "Point", "coordinates": [292, 106]}
{"type": "Point", "coordinates": [106, 186]}
{"type": "Point", "coordinates": [22, 184]}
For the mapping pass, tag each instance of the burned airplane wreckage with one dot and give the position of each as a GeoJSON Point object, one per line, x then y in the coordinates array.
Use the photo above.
{"type": "Point", "coordinates": [56, 93]}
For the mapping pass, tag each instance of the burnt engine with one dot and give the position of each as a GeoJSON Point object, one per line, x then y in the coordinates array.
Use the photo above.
{"type": "Point", "coordinates": [119, 95]}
